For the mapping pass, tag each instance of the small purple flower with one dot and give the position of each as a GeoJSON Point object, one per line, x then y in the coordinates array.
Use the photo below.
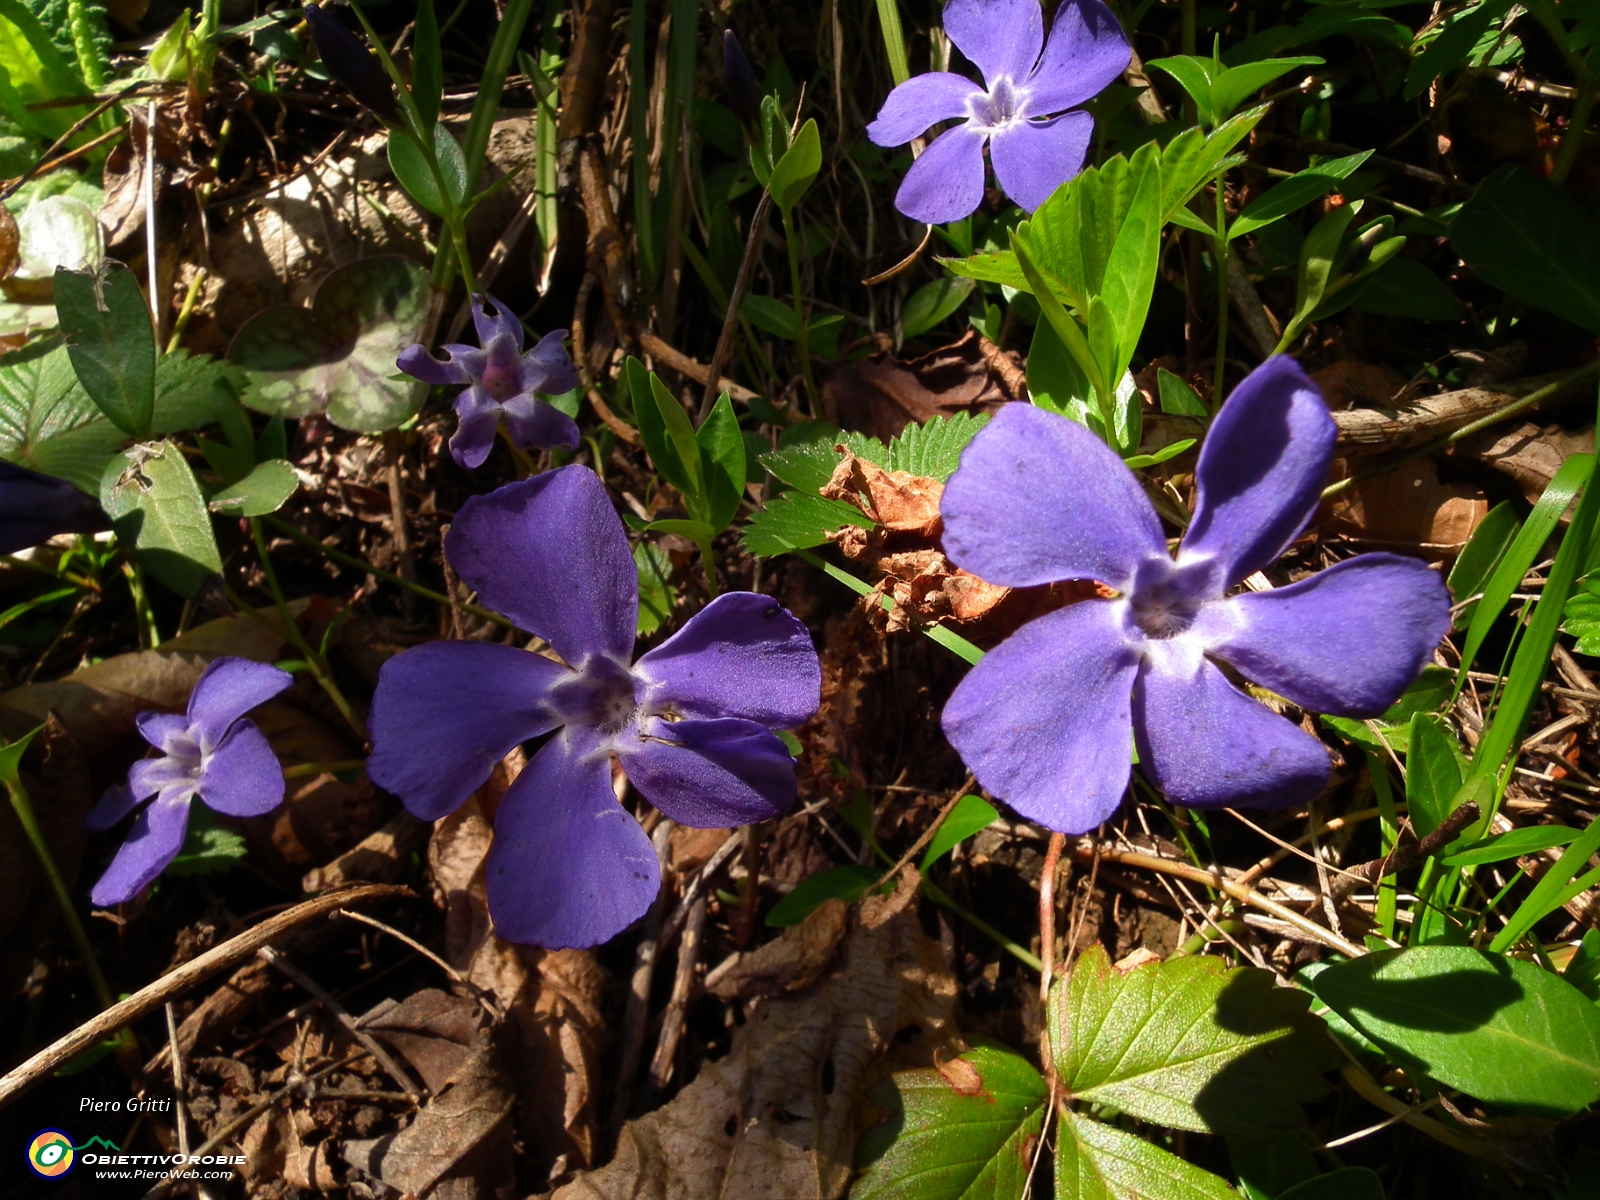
{"type": "Point", "coordinates": [503, 383]}
{"type": "Point", "coordinates": [1034, 150]}
{"type": "Point", "coordinates": [212, 751]}
{"type": "Point", "coordinates": [1044, 719]}
{"type": "Point", "coordinates": [691, 722]}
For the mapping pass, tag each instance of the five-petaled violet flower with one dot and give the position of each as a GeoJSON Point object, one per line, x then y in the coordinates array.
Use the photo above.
{"type": "Point", "coordinates": [1044, 720]}
{"type": "Point", "coordinates": [691, 722]}
{"type": "Point", "coordinates": [503, 383]}
{"type": "Point", "coordinates": [211, 751]}
{"type": "Point", "coordinates": [1034, 149]}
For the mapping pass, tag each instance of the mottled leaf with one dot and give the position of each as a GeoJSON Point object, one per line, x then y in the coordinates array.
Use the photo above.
{"type": "Point", "coordinates": [156, 508]}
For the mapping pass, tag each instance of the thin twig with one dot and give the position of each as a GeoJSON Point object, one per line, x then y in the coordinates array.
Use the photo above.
{"type": "Point", "coordinates": [180, 1093]}
{"type": "Point", "coordinates": [644, 969]}
{"type": "Point", "coordinates": [385, 1060]}
{"type": "Point", "coordinates": [151, 997]}
{"type": "Point", "coordinates": [1047, 946]}
{"type": "Point", "coordinates": [682, 986]}
{"type": "Point", "coordinates": [927, 834]}
{"type": "Point", "coordinates": [730, 319]}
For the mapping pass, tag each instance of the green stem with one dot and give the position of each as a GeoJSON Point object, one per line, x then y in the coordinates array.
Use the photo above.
{"type": "Point", "coordinates": [894, 40]}
{"type": "Point", "coordinates": [1219, 262]}
{"type": "Point", "coordinates": [802, 338]}
{"type": "Point", "coordinates": [350, 560]}
{"type": "Point", "coordinates": [708, 563]}
{"type": "Point", "coordinates": [314, 660]}
{"type": "Point", "coordinates": [948, 638]}
{"type": "Point", "coordinates": [300, 770]}
{"type": "Point", "coordinates": [491, 85]}
{"type": "Point", "coordinates": [22, 805]}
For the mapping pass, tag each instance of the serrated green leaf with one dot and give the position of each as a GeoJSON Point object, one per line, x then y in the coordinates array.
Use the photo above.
{"type": "Point", "coordinates": [833, 883]}
{"type": "Point", "coordinates": [797, 521]}
{"type": "Point", "coordinates": [156, 508]}
{"type": "Point", "coordinates": [265, 490]}
{"type": "Point", "coordinates": [970, 814]}
{"type": "Point", "coordinates": [933, 448]}
{"type": "Point", "coordinates": [653, 566]}
{"type": "Point", "coordinates": [943, 1144]}
{"type": "Point", "coordinates": [111, 342]}
{"type": "Point", "coordinates": [339, 355]}
{"type": "Point", "coordinates": [1101, 1162]}
{"type": "Point", "coordinates": [1188, 1043]}
{"type": "Point", "coordinates": [807, 466]}
{"type": "Point", "coordinates": [1499, 1029]}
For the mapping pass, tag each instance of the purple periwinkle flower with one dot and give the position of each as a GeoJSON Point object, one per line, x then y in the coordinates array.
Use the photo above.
{"type": "Point", "coordinates": [1044, 720]}
{"type": "Point", "coordinates": [739, 78]}
{"type": "Point", "coordinates": [503, 382]}
{"type": "Point", "coordinates": [691, 721]}
{"type": "Point", "coordinates": [1034, 149]}
{"type": "Point", "coordinates": [213, 751]}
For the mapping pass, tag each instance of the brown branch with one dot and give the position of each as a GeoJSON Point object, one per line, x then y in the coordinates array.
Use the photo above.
{"type": "Point", "coordinates": [151, 997]}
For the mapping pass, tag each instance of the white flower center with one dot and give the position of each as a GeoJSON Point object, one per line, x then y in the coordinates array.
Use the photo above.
{"type": "Point", "coordinates": [1002, 105]}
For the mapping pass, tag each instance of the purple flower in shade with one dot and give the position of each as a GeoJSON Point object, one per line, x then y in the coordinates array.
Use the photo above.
{"type": "Point", "coordinates": [211, 751]}
{"type": "Point", "coordinates": [1043, 720]}
{"type": "Point", "coordinates": [34, 508]}
{"type": "Point", "coordinates": [691, 721]}
{"type": "Point", "coordinates": [1034, 150]}
{"type": "Point", "coordinates": [503, 382]}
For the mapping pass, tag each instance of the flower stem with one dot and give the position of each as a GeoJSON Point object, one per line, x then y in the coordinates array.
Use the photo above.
{"type": "Point", "coordinates": [22, 805]}
{"type": "Point", "coordinates": [313, 659]}
{"type": "Point", "coordinates": [1219, 264]}
{"type": "Point", "coordinates": [802, 337]}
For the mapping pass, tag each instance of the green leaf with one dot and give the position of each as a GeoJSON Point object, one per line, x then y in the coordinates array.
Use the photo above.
{"type": "Point", "coordinates": [1403, 287]}
{"type": "Point", "coordinates": [797, 521]}
{"type": "Point", "coordinates": [1130, 270]}
{"type": "Point", "coordinates": [11, 755]}
{"type": "Point", "coordinates": [1524, 550]}
{"type": "Point", "coordinates": [1101, 1162]}
{"type": "Point", "coordinates": [265, 490]}
{"type": "Point", "coordinates": [1499, 1029]}
{"type": "Point", "coordinates": [771, 315]}
{"type": "Point", "coordinates": [110, 339]}
{"type": "Point", "coordinates": [427, 64]}
{"type": "Point", "coordinates": [208, 847]}
{"type": "Point", "coordinates": [1269, 1168]}
{"type": "Point", "coordinates": [409, 162]}
{"type": "Point", "coordinates": [1529, 840]}
{"type": "Point", "coordinates": [1433, 774]}
{"type": "Point", "coordinates": [1479, 557]}
{"type": "Point", "coordinates": [1294, 193]}
{"type": "Point", "coordinates": [1194, 74]}
{"type": "Point", "coordinates": [1531, 240]}
{"type": "Point", "coordinates": [35, 71]}
{"type": "Point", "coordinates": [1137, 462]}
{"type": "Point", "coordinates": [933, 448]}
{"type": "Point", "coordinates": [1430, 693]}
{"type": "Point", "coordinates": [1194, 158]}
{"type": "Point", "coordinates": [970, 814]}
{"type": "Point", "coordinates": [1178, 399]}
{"type": "Point", "coordinates": [156, 508]}
{"type": "Point", "coordinates": [1319, 255]}
{"type": "Point", "coordinates": [940, 1143]}
{"type": "Point", "coordinates": [835, 883]}
{"type": "Point", "coordinates": [653, 565]}
{"type": "Point", "coordinates": [1237, 84]}
{"type": "Point", "coordinates": [1553, 889]}
{"type": "Point", "coordinates": [339, 355]}
{"type": "Point", "coordinates": [807, 466]}
{"type": "Point", "coordinates": [1452, 46]}
{"type": "Point", "coordinates": [1187, 1043]}
{"type": "Point", "coordinates": [1347, 1183]}
{"type": "Point", "coordinates": [798, 167]}
{"type": "Point", "coordinates": [679, 434]}
{"type": "Point", "coordinates": [722, 462]}
{"type": "Point", "coordinates": [695, 531]}
{"type": "Point", "coordinates": [1581, 618]}
{"type": "Point", "coordinates": [931, 303]}
{"type": "Point", "coordinates": [653, 430]}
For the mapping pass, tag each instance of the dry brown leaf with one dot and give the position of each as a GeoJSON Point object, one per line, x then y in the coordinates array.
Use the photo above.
{"type": "Point", "coordinates": [554, 1028]}
{"type": "Point", "coordinates": [792, 960]}
{"type": "Point", "coordinates": [1409, 506]}
{"type": "Point", "coordinates": [880, 396]}
{"type": "Point", "coordinates": [462, 1132]}
{"type": "Point", "coordinates": [434, 1030]}
{"type": "Point", "coordinates": [689, 849]}
{"type": "Point", "coordinates": [1529, 454]}
{"type": "Point", "coordinates": [897, 500]}
{"type": "Point", "coordinates": [98, 703]}
{"type": "Point", "coordinates": [776, 1119]}
{"type": "Point", "coordinates": [377, 858]}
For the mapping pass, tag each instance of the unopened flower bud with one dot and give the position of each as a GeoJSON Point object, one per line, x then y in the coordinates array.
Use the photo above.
{"type": "Point", "coordinates": [350, 62]}
{"type": "Point", "coordinates": [744, 94]}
